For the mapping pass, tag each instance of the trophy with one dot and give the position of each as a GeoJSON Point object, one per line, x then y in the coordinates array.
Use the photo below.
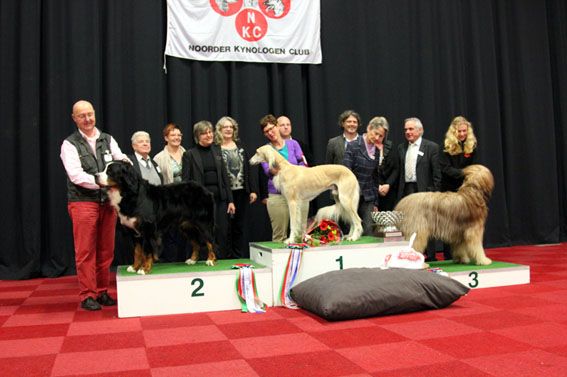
{"type": "Point", "coordinates": [387, 225]}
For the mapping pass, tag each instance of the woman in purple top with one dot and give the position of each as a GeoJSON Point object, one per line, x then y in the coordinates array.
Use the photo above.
{"type": "Point", "coordinates": [277, 205]}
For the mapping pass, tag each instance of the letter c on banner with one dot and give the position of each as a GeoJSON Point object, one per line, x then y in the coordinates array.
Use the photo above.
{"type": "Point", "coordinates": [251, 25]}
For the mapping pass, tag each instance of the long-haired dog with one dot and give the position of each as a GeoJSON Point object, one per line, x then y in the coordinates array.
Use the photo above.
{"type": "Point", "coordinates": [301, 184]}
{"type": "Point", "coordinates": [456, 218]}
{"type": "Point", "coordinates": [149, 211]}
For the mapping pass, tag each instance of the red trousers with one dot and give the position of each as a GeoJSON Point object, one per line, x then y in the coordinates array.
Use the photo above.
{"type": "Point", "coordinates": [94, 225]}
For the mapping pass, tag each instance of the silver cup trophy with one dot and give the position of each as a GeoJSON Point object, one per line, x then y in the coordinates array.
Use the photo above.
{"type": "Point", "coordinates": [387, 221]}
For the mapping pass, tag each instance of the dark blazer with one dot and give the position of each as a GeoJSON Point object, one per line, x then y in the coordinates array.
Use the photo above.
{"type": "Point", "coordinates": [136, 165]}
{"type": "Point", "coordinates": [364, 168]}
{"type": "Point", "coordinates": [335, 150]}
{"type": "Point", "coordinates": [193, 171]}
{"type": "Point", "coordinates": [387, 173]}
{"type": "Point", "coordinates": [452, 169]}
{"type": "Point", "coordinates": [428, 170]}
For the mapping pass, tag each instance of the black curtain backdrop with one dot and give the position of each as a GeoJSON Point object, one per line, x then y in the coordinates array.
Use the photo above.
{"type": "Point", "coordinates": [502, 64]}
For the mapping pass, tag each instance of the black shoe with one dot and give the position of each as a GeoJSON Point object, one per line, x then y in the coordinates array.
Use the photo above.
{"type": "Point", "coordinates": [90, 304]}
{"type": "Point", "coordinates": [106, 300]}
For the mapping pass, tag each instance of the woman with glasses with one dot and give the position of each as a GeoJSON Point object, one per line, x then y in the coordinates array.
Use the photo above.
{"type": "Point", "coordinates": [276, 203]}
{"type": "Point", "coordinates": [244, 186]}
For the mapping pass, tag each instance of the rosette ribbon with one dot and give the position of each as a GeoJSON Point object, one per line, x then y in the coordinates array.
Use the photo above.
{"type": "Point", "coordinates": [290, 274]}
{"type": "Point", "coordinates": [247, 291]}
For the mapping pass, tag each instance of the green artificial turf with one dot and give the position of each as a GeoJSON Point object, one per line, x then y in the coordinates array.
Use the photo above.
{"type": "Point", "coordinates": [361, 240]}
{"type": "Point", "coordinates": [449, 266]}
{"type": "Point", "coordinates": [175, 268]}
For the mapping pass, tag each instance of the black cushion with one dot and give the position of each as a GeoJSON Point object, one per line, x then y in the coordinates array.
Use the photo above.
{"type": "Point", "coordinates": [366, 292]}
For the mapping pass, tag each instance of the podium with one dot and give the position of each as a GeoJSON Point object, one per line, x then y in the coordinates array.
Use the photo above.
{"type": "Point", "coordinates": [365, 252]}
{"type": "Point", "coordinates": [174, 288]}
{"type": "Point", "coordinates": [497, 274]}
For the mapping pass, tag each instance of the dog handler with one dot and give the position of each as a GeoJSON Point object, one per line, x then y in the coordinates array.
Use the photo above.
{"type": "Point", "coordinates": [276, 204]}
{"type": "Point", "coordinates": [85, 153]}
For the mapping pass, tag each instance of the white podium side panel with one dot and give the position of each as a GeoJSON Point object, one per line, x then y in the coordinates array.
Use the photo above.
{"type": "Point", "coordinates": [185, 292]}
{"type": "Point", "coordinates": [318, 260]}
{"type": "Point", "coordinates": [493, 278]}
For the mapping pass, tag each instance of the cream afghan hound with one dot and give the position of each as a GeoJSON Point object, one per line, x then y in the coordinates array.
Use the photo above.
{"type": "Point", "coordinates": [456, 218]}
{"type": "Point", "coordinates": [300, 184]}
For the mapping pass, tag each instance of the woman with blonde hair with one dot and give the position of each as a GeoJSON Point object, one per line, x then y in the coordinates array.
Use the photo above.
{"type": "Point", "coordinates": [243, 183]}
{"type": "Point", "coordinates": [459, 152]}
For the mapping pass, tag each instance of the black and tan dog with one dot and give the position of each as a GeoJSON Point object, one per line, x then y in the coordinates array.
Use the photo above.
{"type": "Point", "coordinates": [150, 211]}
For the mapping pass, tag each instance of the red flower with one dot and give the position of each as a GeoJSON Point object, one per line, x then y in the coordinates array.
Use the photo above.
{"type": "Point", "coordinates": [327, 231]}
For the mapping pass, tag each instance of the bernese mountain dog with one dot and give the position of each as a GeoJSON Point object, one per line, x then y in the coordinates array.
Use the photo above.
{"type": "Point", "coordinates": [150, 211]}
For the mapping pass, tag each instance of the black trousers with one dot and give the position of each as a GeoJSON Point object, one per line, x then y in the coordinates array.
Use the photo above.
{"type": "Point", "coordinates": [221, 230]}
{"type": "Point", "coordinates": [237, 241]}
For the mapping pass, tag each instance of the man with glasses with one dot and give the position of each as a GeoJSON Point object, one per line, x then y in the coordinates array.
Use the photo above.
{"type": "Point", "coordinates": [84, 154]}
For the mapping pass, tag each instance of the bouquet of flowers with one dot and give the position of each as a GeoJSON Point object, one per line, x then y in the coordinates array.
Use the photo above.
{"type": "Point", "coordinates": [324, 233]}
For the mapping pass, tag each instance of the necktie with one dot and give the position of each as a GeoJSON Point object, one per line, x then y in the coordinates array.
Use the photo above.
{"type": "Point", "coordinates": [146, 162]}
{"type": "Point", "coordinates": [411, 156]}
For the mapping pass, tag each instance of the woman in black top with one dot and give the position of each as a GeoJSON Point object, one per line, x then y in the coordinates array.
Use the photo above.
{"type": "Point", "coordinates": [204, 164]}
{"type": "Point", "coordinates": [459, 152]}
{"type": "Point", "coordinates": [386, 169]}
{"type": "Point", "coordinates": [243, 183]}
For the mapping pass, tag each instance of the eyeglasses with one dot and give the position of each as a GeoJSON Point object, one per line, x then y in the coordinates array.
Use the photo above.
{"type": "Point", "coordinates": [268, 130]}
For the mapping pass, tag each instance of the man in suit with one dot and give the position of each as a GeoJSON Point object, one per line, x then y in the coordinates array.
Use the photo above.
{"type": "Point", "coordinates": [349, 121]}
{"type": "Point", "coordinates": [419, 166]}
{"type": "Point", "coordinates": [148, 169]}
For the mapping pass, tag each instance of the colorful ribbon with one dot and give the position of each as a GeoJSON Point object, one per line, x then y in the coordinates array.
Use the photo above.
{"type": "Point", "coordinates": [290, 274]}
{"type": "Point", "coordinates": [246, 290]}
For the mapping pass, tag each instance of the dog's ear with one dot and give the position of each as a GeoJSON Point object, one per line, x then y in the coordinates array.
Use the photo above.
{"type": "Point", "coordinates": [272, 163]}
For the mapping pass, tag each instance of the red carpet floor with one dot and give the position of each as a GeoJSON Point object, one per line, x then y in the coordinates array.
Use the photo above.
{"type": "Point", "coordinates": [507, 331]}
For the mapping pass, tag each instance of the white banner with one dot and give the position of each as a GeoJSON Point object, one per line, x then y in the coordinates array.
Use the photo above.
{"type": "Point", "coordinates": [264, 31]}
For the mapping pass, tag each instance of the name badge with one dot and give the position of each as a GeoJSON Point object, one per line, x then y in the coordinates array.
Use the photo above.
{"type": "Point", "coordinates": [107, 158]}
{"type": "Point", "coordinates": [420, 153]}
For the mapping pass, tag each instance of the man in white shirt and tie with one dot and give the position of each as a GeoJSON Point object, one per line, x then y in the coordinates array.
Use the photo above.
{"type": "Point", "coordinates": [142, 146]}
{"type": "Point", "coordinates": [419, 165]}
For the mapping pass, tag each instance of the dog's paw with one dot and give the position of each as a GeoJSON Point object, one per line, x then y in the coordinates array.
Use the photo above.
{"type": "Point", "coordinates": [351, 237]}
{"type": "Point", "coordinates": [210, 262]}
{"type": "Point", "coordinates": [131, 269]}
{"type": "Point", "coordinates": [190, 262]}
{"type": "Point", "coordinates": [484, 262]}
{"type": "Point", "coordinates": [141, 272]}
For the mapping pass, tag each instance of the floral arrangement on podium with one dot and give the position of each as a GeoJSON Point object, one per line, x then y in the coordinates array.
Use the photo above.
{"type": "Point", "coordinates": [324, 233]}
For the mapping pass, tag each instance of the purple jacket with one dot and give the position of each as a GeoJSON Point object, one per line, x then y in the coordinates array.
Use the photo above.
{"type": "Point", "coordinates": [295, 157]}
